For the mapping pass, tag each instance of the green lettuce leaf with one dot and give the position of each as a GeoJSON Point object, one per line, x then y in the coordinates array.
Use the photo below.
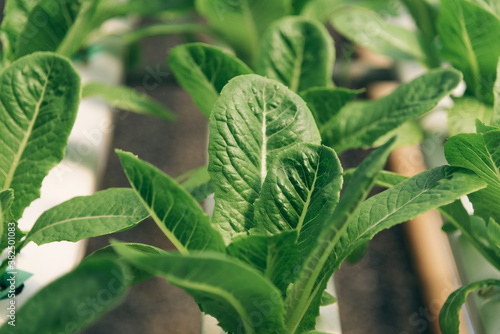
{"type": "Point", "coordinates": [300, 193]}
{"type": "Point", "coordinates": [479, 152]}
{"type": "Point", "coordinates": [203, 70]}
{"type": "Point", "coordinates": [471, 43]}
{"type": "Point", "coordinates": [368, 29]}
{"type": "Point", "coordinates": [39, 101]}
{"type": "Point", "coordinates": [69, 303]}
{"type": "Point", "coordinates": [304, 298]}
{"type": "Point", "coordinates": [406, 200]}
{"type": "Point", "coordinates": [362, 123]}
{"type": "Point", "coordinates": [108, 211]}
{"type": "Point", "coordinates": [254, 119]}
{"type": "Point", "coordinates": [449, 316]}
{"type": "Point", "coordinates": [175, 212]}
{"type": "Point", "coordinates": [241, 298]}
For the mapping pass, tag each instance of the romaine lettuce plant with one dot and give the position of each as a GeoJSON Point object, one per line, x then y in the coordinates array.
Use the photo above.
{"type": "Point", "coordinates": [40, 95]}
{"type": "Point", "coordinates": [463, 33]}
{"type": "Point", "coordinates": [39, 98]}
{"type": "Point", "coordinates": [280, 228]}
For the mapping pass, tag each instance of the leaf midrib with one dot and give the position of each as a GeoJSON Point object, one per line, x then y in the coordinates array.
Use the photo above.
{"type": "Point", "coordinates": [27, 135]}
{"type": "Point", "coordinates": [29, 237]}
{"type": "Point", "coordinates": [308, 201]}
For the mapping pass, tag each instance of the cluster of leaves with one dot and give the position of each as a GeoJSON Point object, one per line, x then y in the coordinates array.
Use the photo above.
{"type": "Point", "coordinates": [63, 27]}
{"type": "Point", "coordinates": [465, 34]}
{"type": "Point", "coordinates": [40, 94]}
{"type": "Point", "coordinates": [280, 229]}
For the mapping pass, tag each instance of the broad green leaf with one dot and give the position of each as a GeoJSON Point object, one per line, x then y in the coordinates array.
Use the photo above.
{"type": "Point", "coordinates": [496, 94]}
{"type": "Point", "coordinates": [47, 25]}
{"type": "Point", "coordinates": [73, 301]}
{"type": "Point", "coordinates": [197, 182]}
{"type": "Point", "coordinates": [127, 99]}
{"type": "Point", "coordinates": [242, 23]}
{"type": "Point", "coordinates": [297, 52]}
{"type": "Point", "coordinates": [449, 316]}
{"type": "Point", "coordinates": [275, 256]}
{"type": "Point", "coordinates": [408, 199]}
{"type": "Point", "coordinates": [300, 192]}
{"type": "Point", "coordinates": [108, 211]}
{"type": "Point", "coordinates": [481, 154]}
{"type": "Point", "coordinates": [18, 277]}
{"type": "Point", "coordinates": [203, 70]}
{"type": "Point", "coordinates": [304, 298]}
{"type": "Point", "coordinates": [15, 16]}
{"type": "Point", "coordinates": [371, 31]}
{"type": "Point", "coordinates": [241, 298]}
{"type": "Point", "coordinates": [252, 122]}
{"type": "Point", "coordinates": [137, 275]}
{"type": "Point", "coordinates": [362, 123]}
{"type": "Point", "coordinates": [465, 111]}
{"type": "Point", "coordinates": [471, 44]}
{"type": "Point", "coordinates": [39, 101]}
{"type": "Point", "coordinates": [325, 103]}
{"type": "Point", "coordinates": [175, 212]}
